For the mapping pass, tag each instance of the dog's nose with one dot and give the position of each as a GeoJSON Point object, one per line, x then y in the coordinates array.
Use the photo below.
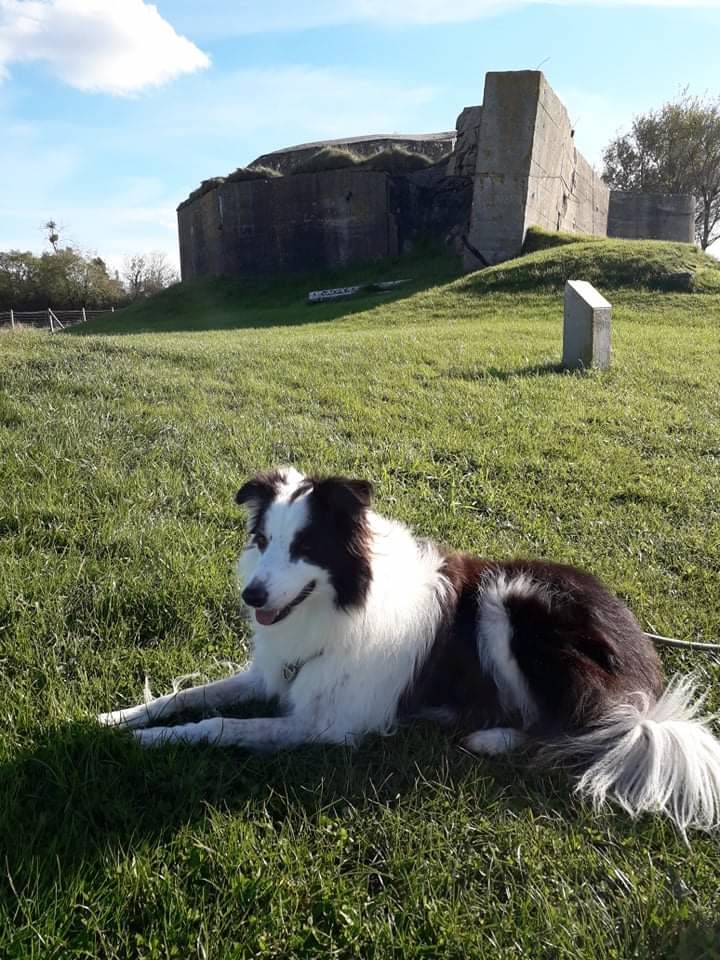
{"type": "Point", "coordinates": [255, 595]}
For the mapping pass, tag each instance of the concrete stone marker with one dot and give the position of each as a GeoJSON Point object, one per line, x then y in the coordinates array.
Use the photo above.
{"type": "Point", "coordinates": [586, 328]}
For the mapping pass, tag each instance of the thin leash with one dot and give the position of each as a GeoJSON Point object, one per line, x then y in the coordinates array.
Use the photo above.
{"type": "Point", "coordinates": [692, 644]}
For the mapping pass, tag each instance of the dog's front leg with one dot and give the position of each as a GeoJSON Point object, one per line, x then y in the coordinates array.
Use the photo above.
{"type": "Point", "coordinates": [240, 688]}
{"type": "Point", "coordinates": [258, 733]}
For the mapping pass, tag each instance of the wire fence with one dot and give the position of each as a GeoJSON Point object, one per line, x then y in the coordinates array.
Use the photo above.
{"type": "Point", "coordinates": [49, 319]}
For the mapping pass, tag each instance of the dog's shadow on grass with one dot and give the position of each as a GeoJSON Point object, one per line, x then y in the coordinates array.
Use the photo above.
{"type": "Point", "coordinates": [87, 795]}
{"type": "Point", "coordinates": [84, 791]}
{"type": "Point", "coordinates": [85, 799]}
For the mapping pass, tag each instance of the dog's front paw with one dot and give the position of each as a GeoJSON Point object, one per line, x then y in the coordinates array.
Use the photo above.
{"type": "Point", "coordinates": [113, 719]}
{"type": "Point", "coordinates": [131, 718]}
{"type": "Point", "coordinates": [205, 732]}
{"type": "Point", "coordinates": [154, 736]}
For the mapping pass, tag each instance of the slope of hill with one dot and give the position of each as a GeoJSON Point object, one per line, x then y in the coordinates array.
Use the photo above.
{"type": "Point", "coordinates": [612, 265]}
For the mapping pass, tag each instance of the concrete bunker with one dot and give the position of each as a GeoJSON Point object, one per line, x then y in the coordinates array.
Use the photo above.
{"type": "Point", "coordinates": [511, 163]}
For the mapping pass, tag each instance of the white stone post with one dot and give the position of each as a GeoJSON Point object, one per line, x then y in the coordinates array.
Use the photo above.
{"type": "Point", "coordinates": [587, 327]}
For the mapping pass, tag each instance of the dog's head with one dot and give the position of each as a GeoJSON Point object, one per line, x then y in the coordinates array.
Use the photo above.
{"type": "Point", "coordinates": [309, 536]}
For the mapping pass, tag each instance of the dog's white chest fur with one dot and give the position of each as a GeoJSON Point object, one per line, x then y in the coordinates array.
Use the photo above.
{"type": "Point", "coordinates": [350, 667]}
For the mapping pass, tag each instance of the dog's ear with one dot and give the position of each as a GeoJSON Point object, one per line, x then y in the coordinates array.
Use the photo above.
{"type": "Point", "coordinates": [343, 495]}
{"type": "Point", "coordinates": [260, 490]}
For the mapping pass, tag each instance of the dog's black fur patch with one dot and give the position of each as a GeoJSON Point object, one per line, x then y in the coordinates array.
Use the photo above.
{"type": "Point", "coordinates": [579, 649]}
{"type": "Point", "coordinates": [336, 537]}
{"type": "Point", "coordinates": [257, 495]}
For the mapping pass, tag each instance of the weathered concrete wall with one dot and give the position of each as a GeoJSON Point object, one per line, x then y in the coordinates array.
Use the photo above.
{"type": "Point", "coordinates": [502, 172]}
{"type": "Point", "coordinates": [463, 160]}
{"type": "Point", "coordinates": [564, 191]}
{"type": "Point", "coordinates": [429, 205]}
{"type": "Point", "coordinates": [528, 171]}
{"type": "Point", "coordinates": [290, 224]}
{"type": "Point", "coordinates": [199, 233]}
{"type": "Point", "coordinates": [432, 145]}
{"type": "Point", "coordinates": [652, 216]}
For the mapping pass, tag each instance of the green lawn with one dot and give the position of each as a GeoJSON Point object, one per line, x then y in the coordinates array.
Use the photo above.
{"type": "Point", "coordinates": [121, 452]}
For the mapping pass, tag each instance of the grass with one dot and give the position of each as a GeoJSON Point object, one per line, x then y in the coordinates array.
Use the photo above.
{"type": "Point", "coordinates": [327, 158]}
{"type": "Point", "coordinates": [398, 160]}
{"type": "Point", "coordinates": [394, 160]}
{"type": "Point", "coordinates": [538, 238]}
{"type": "Point", "coordinates": [555, 258]}
{"type": "Point", "coordinates": [252, 173]}
{"type": "Point", "coordinates": [222, 303]}
{"type": "Point", "coordinates": [121, 452]}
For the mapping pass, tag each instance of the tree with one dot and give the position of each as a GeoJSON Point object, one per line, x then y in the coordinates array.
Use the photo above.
{"type": "Point", "coordinates": [675, 149]}
{"type": "Point", "coordinates": [53, 237]}
{"type": "Point", "coordinates": [148, 273]}
{"type": "Point", "coordinates": [64, 279]}
{"type": "Point", "coordinates": [68, 278]}
{"type": "Point", "coordinates": [19, 278]}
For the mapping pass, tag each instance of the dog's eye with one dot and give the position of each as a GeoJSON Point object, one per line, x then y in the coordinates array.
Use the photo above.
{"type": "Point", "coordinates": [260, 541]}
{"type": "Point", "coordinates": [299, 546]}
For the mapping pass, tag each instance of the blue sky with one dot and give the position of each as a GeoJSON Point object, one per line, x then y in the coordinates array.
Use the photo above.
{"type": "Point", "coordinates": [111, 111]}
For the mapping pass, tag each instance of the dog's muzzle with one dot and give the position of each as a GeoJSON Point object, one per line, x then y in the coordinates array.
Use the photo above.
{"type": "Point", "coordinates": [269, 616]}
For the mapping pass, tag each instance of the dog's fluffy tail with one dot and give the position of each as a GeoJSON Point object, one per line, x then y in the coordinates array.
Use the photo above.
{"type": "Point", "coordinates": [655, 757]}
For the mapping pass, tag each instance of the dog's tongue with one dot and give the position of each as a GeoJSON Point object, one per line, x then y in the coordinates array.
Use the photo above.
{"type": "Point", "coordinates": [266, 616]}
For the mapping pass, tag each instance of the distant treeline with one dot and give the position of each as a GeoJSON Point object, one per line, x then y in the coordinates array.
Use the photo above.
{"type": "Point", "coordinates": [66, 279]}
{"type": "Point", "coordinates": [63, 279]}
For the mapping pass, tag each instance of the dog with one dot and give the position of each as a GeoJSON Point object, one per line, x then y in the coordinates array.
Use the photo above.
{"type": "Point", "coordinates": [359, 626]}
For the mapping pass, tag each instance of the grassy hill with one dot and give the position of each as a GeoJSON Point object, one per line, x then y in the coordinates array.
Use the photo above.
{"type": "Point", "coordinates": [121, 452]}
{"type": "Point", "coordinates": [220, 303]}
{"type": "Point", "coordinates": [554, 258]}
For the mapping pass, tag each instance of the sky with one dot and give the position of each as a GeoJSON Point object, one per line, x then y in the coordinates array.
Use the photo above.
{"type": "Point", "coordinates": [112, 111]}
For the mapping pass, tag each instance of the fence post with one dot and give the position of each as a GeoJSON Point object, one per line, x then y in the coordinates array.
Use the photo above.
{"type": "Point", "coordinates": [84, 317]}
{"type": "Point", "coordinates": [12, 319]}
{"type": "Point", "coordinates": [50, 316]}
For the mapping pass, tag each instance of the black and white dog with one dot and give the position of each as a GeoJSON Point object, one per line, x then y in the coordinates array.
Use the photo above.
{"type": "Point", "coordinates": [359, 625]}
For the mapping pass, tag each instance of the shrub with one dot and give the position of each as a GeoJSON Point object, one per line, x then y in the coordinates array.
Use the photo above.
{"type": "Point", "coordinates": [205, 187]}
{"type": "Point", "coordinates": [397, 160]}
{"type": "Point", "coordinates": [252, 173]}
{"type": "Point", "coordinates": [328, 158]}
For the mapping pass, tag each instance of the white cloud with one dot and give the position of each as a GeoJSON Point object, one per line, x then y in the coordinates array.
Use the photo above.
{"type": "Point", "coordinates": [113, 216]}
{"type": "Point", "coordinates": [249, 16]}
{"type": "Point", "coordinates": [108, 46]}
{"type": "Point", "coordinates": [319, 102]}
